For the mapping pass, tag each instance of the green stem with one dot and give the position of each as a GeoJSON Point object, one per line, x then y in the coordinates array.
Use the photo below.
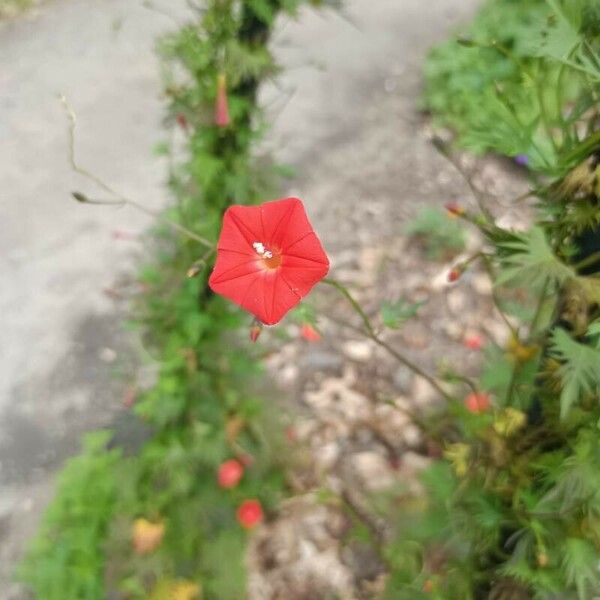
{"type": "Point", "coordinates": [120, 199]}
{"type": "Point", "coordinates": [370, 332]}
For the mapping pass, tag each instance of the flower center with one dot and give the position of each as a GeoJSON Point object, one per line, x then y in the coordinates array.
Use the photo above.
{"type": "Point", "coordinates": [271, 260]}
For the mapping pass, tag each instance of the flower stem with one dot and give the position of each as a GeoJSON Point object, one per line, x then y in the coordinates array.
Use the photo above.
{"type": "Point", "coordinates": [370, 332]}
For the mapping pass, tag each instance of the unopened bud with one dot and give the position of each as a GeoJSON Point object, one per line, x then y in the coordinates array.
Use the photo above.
{"type": "Point", "coordinates": [222, 104]}
{"type": "Point", "coordinates": [195, 268]}
{"type": "Point", "coordinates": [182, 121]}
{"type": "Point", "coordinates": [255, 331]}
{"type": "Point", "coordinates": [79, 196]}
{"type": "Point", "coordinates": [454, 209]}
{"type": "Point", "coordinates": [454, 274]}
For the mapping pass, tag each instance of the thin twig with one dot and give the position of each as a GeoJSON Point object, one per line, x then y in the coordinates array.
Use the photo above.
{"type": "Point", "coordinates": [370, 332]}
{"type": "Point", "coordinates": [120, 199]}
{"type": "Point", "coordinates": [479, 196]}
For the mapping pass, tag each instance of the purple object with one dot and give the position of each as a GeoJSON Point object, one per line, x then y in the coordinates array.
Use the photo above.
{"type": "Point", "coordinates": [522, 160]}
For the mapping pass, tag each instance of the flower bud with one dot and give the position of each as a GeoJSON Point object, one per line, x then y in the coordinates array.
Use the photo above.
{"type": "Point", "coordinates": [309, 333]}
{"type": "Point", "coordinates": [473, 341]}
{"type": "Point", "coordinates": [454, 274]}
{"type": "Point", "coordinates": [222, 103]}
{"type": "Point", "coordinates": [454, 209]}
{"type": "Point", "coordinates": [255, 331]}
{"type": "Point", "coordinates": [182, 121]}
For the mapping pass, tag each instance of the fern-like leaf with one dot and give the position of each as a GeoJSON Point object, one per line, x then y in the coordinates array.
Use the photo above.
{"type": "Point", "coordinates": [580, 563]}
{"type": "Point", "coordinates": [579, 371]}
{"type": "Point", "coordinates": [529, 258]}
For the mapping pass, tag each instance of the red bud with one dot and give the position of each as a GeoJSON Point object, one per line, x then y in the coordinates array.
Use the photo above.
{"type": "Point", "coordinates": [309, 333]}
{"type": "Point", "coordinates": [255, 332]}
{"type": "Point", "coordinates": [454, 274]}
{"type": "Point", "coordinates": [474, 341]}
{"type": "Point", "coordinates": [222, 104]}
{"type": "Point", "coordinates": [454, 209]}
{"type": "Point", "coordinates": [182, 121]}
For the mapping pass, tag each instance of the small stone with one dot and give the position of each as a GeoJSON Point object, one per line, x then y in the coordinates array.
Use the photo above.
{"type": "Point", "coordinates": [321, 360]}
{"type": "Point", "coordinates": [402, 378]}
{"type": "Point", "coordinates": [482, 284]}
{"type": "Point", "coordinates": [412, 435]}
{"type": "Point", "coordinates": [360, 351]}
{"type": "Point", "coordinates": [373, 470]}
{"type": "Point", "coordinates": [327, 455]}
{"type": "Point", "coordinates": [414, 462]}
{"type": "Point", "coordinates": [453, 330]}
{"type": "Point", "coordinates": [422, 393]}
{"type": "Point", "coordinates": [107, 355]}
{"type": "Point", "coordinates": [288, 374]}
{"type": "Point", "coordinates": [457, 300]}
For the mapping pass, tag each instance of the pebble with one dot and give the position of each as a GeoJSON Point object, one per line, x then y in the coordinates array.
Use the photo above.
{"type": "Point", "coordinates": [321, 360]}
{"type": "Point", "coordinates": [421, 392]}
{"type": "Point", "coordinates": [402, 378]}
{"type": "Point", "coordinates": [360, 351]}
{"type": "Point", "coordinates": [457, 301]}
{"type": "Point", "coordinates": [482, 284]}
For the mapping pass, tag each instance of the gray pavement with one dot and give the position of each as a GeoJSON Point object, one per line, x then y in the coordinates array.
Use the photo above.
{"type": "Point", "coordinates": [64, 357]}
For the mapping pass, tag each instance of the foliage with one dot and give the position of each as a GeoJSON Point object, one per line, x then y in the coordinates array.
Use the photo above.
{"type": "Point", "coordinates": [205, 406]}
{"type": "Point", "coordinates": [439, 237]}
{"type": "Point", "coordinates": [519, 79]}
{"type": "Point", "coordinates": [394, 314]}
{"type": "Point", "coordinates": [76, 525]}
{"type": "Point", "coordinates": [511, 510]}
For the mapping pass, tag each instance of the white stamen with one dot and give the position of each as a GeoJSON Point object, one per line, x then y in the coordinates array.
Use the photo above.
{"type": "Point", "coordinates": [261, 250]}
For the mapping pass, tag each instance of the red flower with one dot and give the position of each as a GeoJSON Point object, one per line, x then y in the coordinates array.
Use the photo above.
{"type": "Point", "coordinates": [268, 258]}
{"type": "Point", "coordinates": [249, 513]}
{"type": "Point", "coordinates": [473, 341]}
{"type": "Point", "coordinates": [222, 104]}
{"type": "Point", "coordinates": [477, 402]}
{"type": "Point", "coordinates": [309, 333]}
{"type": "Point", "coordinates": [230, 473]}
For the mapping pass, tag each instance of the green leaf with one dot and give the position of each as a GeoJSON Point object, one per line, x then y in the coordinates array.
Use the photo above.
{"type": "Point", "coordinates": [530, 260]}
{"type": "Point", "coordinates": [580, 563]}
{"type": "Point", "coordinates": [580, 369]}
{"type": "Point", "coordinates": [395, 314]}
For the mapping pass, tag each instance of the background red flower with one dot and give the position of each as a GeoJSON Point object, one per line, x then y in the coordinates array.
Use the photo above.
{"type": "Point", "coordinates": [230, 473]}
{"type": "Point", "coordinates": [477, 403]}
{"type": "Point", "coordinates": [268, 258]}
{"type": "Point", "coordinates": [249, 513]}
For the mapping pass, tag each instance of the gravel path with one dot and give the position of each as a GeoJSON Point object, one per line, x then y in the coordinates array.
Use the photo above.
{"type": "Point", "coordinates": [347, 121]}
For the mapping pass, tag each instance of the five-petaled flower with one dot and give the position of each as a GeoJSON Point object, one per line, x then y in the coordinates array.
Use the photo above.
{"type": "Point", "coordinates": [268, 258]}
